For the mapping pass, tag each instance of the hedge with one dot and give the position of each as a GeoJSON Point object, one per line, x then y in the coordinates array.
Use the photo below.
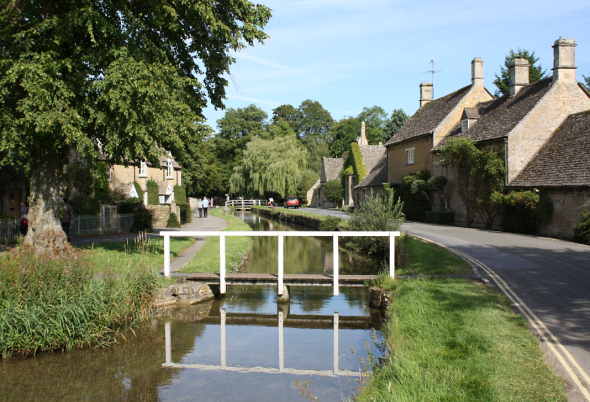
{"type": "Point", "coordinates": [180, 195]}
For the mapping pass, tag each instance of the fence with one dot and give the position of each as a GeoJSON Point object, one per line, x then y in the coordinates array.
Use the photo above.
{"type": "Point", "coordinates": [9, 230]}
{"type": "Point", "coordinates": [101, 224]}
{"type": "Point", "coordinates": [281, 250]}
{"type": "Point", "coordinates": [243, 204]}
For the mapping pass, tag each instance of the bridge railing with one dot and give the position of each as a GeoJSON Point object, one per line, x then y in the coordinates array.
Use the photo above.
{"type": "Point", "coordinates": [280, 235]}
{"type": "Point", "coordinates": [243, 203]}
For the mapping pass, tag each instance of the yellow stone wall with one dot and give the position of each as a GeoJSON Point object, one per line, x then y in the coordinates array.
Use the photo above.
{"type": "Point", "coordinates": [396, 158]}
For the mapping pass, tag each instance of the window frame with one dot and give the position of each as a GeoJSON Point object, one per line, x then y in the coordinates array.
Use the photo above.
{"type": "Point", "coordinates": [143, 169]}
{"type": "Point", "coordinates": [410, 156]}
{"type": "Point", "coordinates": [169, 169]}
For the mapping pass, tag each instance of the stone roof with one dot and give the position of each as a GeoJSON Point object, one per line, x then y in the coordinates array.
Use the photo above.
{"type": "Point", "coordinates": [372, 155]}
{"type": "Point", "coordinates": [498, 117]}
{"type": "Point", "coordinates": [428, 117]}
{"type": "Point", "coordinates": [564, 160]}
{"type": "Point", "coordinates": [376, 177]}
{"type": "Point", "coordinates": [331, 168]}
{"type": "Point", "coordinates": [471, 112]}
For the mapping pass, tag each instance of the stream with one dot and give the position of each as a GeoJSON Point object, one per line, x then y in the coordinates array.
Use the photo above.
{"type": "Point", "coordinates": [243, 347]}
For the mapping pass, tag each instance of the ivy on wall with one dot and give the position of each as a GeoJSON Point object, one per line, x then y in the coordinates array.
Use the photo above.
{"type": "Point", "coordinates": [152, 190]}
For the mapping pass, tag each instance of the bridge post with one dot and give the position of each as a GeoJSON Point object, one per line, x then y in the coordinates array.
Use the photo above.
{"type": "Point", "coordinates": [281, 342]}
{"type": "Point", "coordinates": [168, 340]}
{"type": "Point", "coordinates": [222, 340]}
{"type": "Point", "coordinates": [335, 264]}
{"type": "Point", "coordinates": [281, 264]}
{"type": "Point", "coordinates": [336, 351]}
{"type": "Point", "coordinates": [222, 286]}
{"type": "Point", "coordinates": [392, 256]}
{"type": "Point", "coordinates": [167, 256]}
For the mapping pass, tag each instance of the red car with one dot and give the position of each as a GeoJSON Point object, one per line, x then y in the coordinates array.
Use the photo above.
{"type": "Point", "coordinates": [292, 202]}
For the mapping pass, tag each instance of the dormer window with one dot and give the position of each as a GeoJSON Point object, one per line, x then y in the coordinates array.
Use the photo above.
{"type": "Point", "coordinates": [169, 169]}
{"type": "Point", "coordinates": [142, 169]}
{"type": "Point", "coordinates": [464, 125]}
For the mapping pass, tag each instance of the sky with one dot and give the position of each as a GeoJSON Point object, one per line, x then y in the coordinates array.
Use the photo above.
{"type": "Point", "coordinates": [350, 54]}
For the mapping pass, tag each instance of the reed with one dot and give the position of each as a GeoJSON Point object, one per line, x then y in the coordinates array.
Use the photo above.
{"type": "Point", "coordinates": [64, 304]}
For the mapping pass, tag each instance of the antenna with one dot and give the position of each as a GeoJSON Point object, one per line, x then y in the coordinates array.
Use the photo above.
{"type": "Point", "coordinates": [432, 71]}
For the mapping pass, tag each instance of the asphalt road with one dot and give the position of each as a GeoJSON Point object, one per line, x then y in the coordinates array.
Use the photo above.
{"type": "Point", "coordinates": [552, 277]}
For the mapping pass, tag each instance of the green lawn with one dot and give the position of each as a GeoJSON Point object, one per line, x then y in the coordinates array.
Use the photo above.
{"type": "Point", "coordinates": [207, 259]}
{"type": "Point", "coordinates": [423, 258]}
{"type": "Point", "coordinates": [456, 340]}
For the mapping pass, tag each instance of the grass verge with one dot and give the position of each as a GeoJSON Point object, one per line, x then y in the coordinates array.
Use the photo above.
{"type": "Point", "coordinates": [207, 259]}
{"type": "Point", "coordinates": [418, 257]}
{"type": "Point", "coordinates": [455, 340]}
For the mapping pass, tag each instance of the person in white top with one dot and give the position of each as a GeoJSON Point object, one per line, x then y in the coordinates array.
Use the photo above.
{"type": "Point", "coordinates": [205, 204]}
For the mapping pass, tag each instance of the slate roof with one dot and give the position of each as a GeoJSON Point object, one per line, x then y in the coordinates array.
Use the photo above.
{"type": "Point", "coordinates": [471, 112]}
{"type": "Point", "coordinates": [428, 117]}
{"type": "Point", "coordinates": [376, 177]}
{"type": "Point", "coordinates": [498, 117]}
{"type": "Point", "coordinates": [564, 160]}
{"type": "Point", "coordinates": [331, 168]}
{"type": "Point", "coordinates": [372, 155]}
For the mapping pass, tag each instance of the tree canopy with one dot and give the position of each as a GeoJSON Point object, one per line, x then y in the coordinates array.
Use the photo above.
{"type": "Point", "coordinates": [503, 81]}
{"type": "Point", "coordinates": [396, 121]}
{"type": "Point", "coordinates": [270, 165]}
{"type": "Point", "coordinates": [104, 79]}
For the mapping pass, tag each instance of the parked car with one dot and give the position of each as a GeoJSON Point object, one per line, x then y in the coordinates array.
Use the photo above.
{"type": "Point", "coordinates": [292, 202]}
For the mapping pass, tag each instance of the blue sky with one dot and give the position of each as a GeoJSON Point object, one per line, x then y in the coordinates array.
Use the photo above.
{"type": "Point", "coordinates": [348, 54]}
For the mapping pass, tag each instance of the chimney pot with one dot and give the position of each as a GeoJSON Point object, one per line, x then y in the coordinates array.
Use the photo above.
{"type": "Point", "coordinates": [477, 76]}
{"type": "Point", "coordinates": [564, 60]}
{"type": "Point", "coordinates": [519, 75]}
{"type": "Point", "coordinates": [426, 93]}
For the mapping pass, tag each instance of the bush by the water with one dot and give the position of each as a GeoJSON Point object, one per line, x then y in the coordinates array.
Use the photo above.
{"type": "Point", "coordinates": [378, 212]}
{"type": "Point", "coordinates": [582, 229]}
{"type": "Point", "coordinates": [62, 305]}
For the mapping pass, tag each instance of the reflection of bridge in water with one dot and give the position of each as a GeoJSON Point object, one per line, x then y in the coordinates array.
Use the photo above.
{"type": "Point", "coordinates": [281, 320]}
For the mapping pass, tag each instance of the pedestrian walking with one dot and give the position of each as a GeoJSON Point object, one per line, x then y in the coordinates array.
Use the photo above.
{"type": "Point", "coordinates": [200, 207]}
{"type": "Point", "coordinates": [205, 206]}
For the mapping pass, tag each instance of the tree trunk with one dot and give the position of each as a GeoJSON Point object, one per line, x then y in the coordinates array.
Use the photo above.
{"type": "Point", "coordinates": [46, 204]}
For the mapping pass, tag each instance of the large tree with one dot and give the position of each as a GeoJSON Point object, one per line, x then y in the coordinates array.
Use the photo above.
{"type": "Point", "coordinates": [275, 165]}
{"type": "Point", "coordinates": [375, 119]}
{"type": "Point", "coordinates": [587, 81]}
{"type": "Point", "coordinates": [343, 133]}
{"type": "Point", "coordinates": [396, 121]}
{"type": "Point", "coordinates": [108, 79]}
{"type": "Point", "coordinates": [503, 81]}
{"type": "Point", "coordinates": [287, 113]}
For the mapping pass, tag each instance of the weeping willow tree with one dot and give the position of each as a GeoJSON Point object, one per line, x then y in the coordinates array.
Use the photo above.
{"type": "Point", "coordinates": [277, 165]}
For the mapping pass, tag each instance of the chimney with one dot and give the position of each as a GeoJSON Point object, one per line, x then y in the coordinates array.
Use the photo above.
{"type": "Point", "coordinates": [564, 60]}
{"type": "Point", "coordinates": [425, 93]}
{"type": "Point", "coordinates": [519, 75]}
{"type": "Point", "coordinates": [477, 72]}
{"type": "Point", "coordinates": [362, 140]}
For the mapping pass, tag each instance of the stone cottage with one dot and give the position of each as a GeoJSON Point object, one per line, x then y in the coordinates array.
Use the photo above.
{"type": "Point", "coordinates": [330, 169]}
{"type": "Point", "coordinates": [531, 127]}
{"type": "Point", "coordinates": [167, 173]}
{"type": "Point", "coordinates": [410, 149]}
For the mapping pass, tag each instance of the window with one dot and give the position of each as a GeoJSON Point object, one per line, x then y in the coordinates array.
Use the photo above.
{"type": "Point", "coordinates": [464, 125]}
{"type": "Point", "coordinates": [162, 199]}
{"type": "Point", "coordinates": [142, 169]}
{"type": "Point", "coordinates": [169, 169]}
{"type": "Point", "coordinates": [410, 156]}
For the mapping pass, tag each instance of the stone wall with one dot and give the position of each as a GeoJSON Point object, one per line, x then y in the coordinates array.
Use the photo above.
{"type": "Point", "coordinates": [532, 132]}
{"type": "Point", "coordinates": [161, 213]}
{"type": "Point", "coordinates": [568, 204]}
{"type": "Point", "coordinates": [396, 158]}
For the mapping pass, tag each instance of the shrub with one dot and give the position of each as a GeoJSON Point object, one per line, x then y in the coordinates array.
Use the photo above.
{"type": "Point", "coordinates": [582, 229]}
{"type": "Point", "coordinates": [142, 220]}
{"type": "Point", "coordinates": [180, 195]}
{"type": "Point", "coordinates": [381, 212]}
{"type": "Point", "coordinates": [185, 214]}
{"type": "Point", "coordinates": [172, 221]}
{"type": "Point", "coordinates": [333, 190]}
{"type": "Point", "coordinates": [330, 224]}
{"type": "Point", "coordinates": [523, 211]}
{"type": "Point", "coordinates": [153, 192]}
{"type": "Point", "coordinates": [441, 217]}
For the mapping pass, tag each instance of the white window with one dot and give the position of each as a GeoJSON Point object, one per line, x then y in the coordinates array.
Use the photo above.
{"type": "Point", "coordinates": [464, 125]}
{"type": "Point", "coordinates": [162, 199]}
{"type": "Point", "coordinates": [410, 156]}
{"type": "Point", "coordinates": [142, 169]}
{"type": "Point", "coordinates": [169, 169]}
